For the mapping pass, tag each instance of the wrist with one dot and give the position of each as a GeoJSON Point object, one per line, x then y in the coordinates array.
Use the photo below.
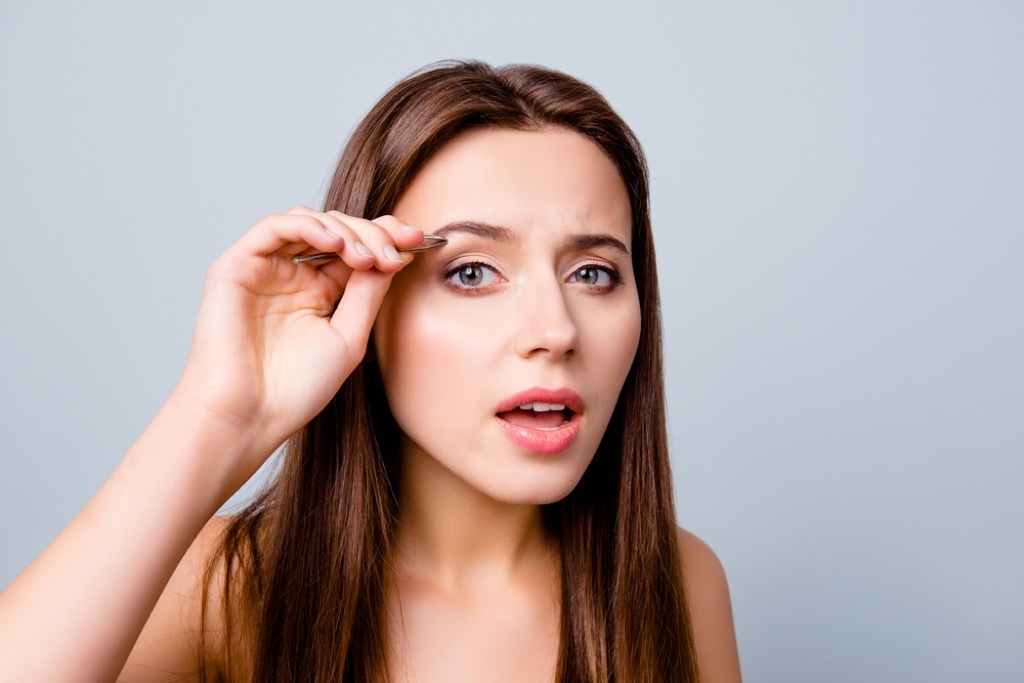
{"type": "Point", "coordinates": [209, 453]}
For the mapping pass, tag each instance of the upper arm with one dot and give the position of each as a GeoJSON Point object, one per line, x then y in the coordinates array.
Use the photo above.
{"type": "Point", "coordinates": [169, 647]}
{"type": "Point", "coordinates": [707, 594]}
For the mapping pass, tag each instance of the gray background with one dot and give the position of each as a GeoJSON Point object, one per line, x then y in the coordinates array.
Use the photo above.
{"type": "Point", "coordinates": [839, 207]}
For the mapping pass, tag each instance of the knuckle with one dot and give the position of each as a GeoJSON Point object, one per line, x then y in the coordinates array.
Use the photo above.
{"type": "Point", "coordinates": [271, 219]}
{"type": "Point", "coordinates": [388, 222]}
{"type": "Point", "coordinates": [222, 267]}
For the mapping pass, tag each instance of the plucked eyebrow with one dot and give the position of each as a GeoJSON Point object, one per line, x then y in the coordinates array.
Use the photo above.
{"type": "Point", "coordinates": [495, 233]}
{"type": "Point", "coordinates": [498, 233]}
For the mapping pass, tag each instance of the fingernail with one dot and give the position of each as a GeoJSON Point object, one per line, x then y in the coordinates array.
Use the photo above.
{"type": "Point", "coordinates": [331, 234]}
{"type": "Point", "coordinates": [392, 254]}
{"type": "Point", "coordinates": [408, 228]}
{"type": "Point", "coordinates": [362, 249]}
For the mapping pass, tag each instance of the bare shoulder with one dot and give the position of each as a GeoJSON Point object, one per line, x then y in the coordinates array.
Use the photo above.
{"type": "Point", "coordinates": [169, 647]}
{"type": "Point", "coordinates": [707, 593]}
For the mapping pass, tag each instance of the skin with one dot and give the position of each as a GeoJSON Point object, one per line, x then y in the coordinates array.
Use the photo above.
{"type": "Point", "coordinates": [474, 592]}
{"type": "Point", "coordinates": [450, 353]}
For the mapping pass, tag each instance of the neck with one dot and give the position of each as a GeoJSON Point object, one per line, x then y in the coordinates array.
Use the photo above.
{"type": "Point", "coordinates": [458, 537]}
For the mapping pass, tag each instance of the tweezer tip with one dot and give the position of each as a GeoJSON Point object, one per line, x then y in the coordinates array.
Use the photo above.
{"type": "Point", "coordinates": [429, 242]}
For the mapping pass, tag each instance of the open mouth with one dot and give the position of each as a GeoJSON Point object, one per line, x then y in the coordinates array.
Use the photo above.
{"type": "Point", "coordinates": [545, 416]}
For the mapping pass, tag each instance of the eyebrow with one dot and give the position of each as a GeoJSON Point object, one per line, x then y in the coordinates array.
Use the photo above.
{"type": "Point", "coordinates": [498, 233]}
{"type": "Point", "coordinates": [495, 233]}
{"type": "Point", "coordinates": [586, 242]}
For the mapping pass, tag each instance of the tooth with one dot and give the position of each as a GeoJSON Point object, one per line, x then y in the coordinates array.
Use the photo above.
{"type": "Point", "coordinates": [541, 407]}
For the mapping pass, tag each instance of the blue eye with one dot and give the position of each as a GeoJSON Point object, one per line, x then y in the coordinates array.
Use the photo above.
{"type": "Point", "coordinates": [472, 275]}
{"type": "Point", "coordinates": [594, 276]}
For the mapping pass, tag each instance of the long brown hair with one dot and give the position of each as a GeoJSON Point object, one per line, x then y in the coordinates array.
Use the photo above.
{"type": "Point", "coordinates": [307, 561]}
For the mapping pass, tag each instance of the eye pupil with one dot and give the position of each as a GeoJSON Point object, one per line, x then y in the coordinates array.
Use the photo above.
{"type": "Point", "coordinates": [471, 276]}
{"type": "Point", "coordinates": [588, 276]}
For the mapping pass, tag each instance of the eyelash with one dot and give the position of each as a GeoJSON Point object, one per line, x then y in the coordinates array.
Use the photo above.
{"type": "Point", "coordinates": [613, 275]}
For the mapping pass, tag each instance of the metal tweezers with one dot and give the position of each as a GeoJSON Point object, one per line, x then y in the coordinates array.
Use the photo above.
{"type": "Point", "coordinates": [429, 242]}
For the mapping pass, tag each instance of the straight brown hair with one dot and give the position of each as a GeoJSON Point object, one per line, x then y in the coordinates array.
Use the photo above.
{"type": "Point", "coordinates": [305, 565]}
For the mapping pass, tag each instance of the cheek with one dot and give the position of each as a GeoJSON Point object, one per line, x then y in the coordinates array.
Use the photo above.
{"type": "Point", "coordinates": [629, 332]}
{"type": "Point", "coordinates": [432, 359]}
{"type": "Point", "coordinates": [610, 338]}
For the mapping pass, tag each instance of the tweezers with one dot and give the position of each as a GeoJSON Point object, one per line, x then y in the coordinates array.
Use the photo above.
{"type": "Point", "coordinates": [429, 242]}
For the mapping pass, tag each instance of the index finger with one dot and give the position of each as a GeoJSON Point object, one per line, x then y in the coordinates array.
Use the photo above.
{"type": "Point", "coordinates": [289, 232]}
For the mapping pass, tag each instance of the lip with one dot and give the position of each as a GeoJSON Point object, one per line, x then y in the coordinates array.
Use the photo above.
{"type": "Point", "coordinates": [542, 440]}
{"type": "Point", "coordinates": [564, 396]}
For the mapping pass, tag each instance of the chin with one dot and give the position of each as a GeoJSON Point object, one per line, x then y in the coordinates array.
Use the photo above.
{"type": "Point", "coordinates": [535, 490]}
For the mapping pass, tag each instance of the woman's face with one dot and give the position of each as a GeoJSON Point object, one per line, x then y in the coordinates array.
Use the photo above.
{"type": "Point", "coordinates": [503, 353]}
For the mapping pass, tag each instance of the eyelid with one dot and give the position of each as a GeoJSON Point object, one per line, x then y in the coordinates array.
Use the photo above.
{"type": "Point", "coordinates": [470, 259]}
{"type": "Point", "coordinates": [590, 261]}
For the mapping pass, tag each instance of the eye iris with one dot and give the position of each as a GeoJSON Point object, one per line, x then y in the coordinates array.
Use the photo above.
{"type": "Point", "coordinates": [471, 276]}
{"type": "Point", "coordinates": [588, 276]}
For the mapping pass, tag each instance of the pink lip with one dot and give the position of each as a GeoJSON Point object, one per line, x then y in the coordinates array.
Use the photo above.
{"type": "Point", "coordinates": [543, 440]}
{"type": "Point", "coordinates": [565, 397]}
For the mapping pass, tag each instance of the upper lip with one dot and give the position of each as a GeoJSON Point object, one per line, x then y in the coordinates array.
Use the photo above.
{"type": "Point", "coordinates": [562, 396]}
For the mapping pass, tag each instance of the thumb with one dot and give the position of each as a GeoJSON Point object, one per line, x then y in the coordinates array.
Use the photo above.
{"type": "Point", "coordinates": [353, 318]}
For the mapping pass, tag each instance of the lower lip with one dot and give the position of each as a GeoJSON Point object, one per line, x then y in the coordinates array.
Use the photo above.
{"type": "Point", "coordinates": [542, 440]}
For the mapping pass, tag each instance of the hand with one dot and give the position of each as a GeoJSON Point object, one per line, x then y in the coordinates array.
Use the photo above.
{"type": "Point", "coordinates": [273, 343]}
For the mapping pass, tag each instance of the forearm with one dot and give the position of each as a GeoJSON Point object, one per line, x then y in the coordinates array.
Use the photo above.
{"type": "Point", "coordinates": [76, 611]}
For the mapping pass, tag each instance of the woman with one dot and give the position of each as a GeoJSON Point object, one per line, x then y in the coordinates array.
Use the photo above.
{"type": "Point", "coordinates": [479, 486]}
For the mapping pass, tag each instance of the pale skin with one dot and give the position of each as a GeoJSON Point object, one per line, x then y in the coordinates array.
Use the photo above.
{"type": "Point", "coordinates": [476, 585]}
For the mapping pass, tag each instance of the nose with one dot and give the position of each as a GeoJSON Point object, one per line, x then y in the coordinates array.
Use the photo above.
{"type": "Point", "coordinates": [546, 326]}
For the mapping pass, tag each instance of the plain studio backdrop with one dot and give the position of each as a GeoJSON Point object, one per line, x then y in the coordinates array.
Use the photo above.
{"type": "Point", "coordinates": [838, 197]}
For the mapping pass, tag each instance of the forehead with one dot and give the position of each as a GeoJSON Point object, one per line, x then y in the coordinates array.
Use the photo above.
{"type": "Point", "coordinates": [552, 178]}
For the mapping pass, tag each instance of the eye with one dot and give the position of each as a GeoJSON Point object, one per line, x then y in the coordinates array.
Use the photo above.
{"type": "Point", "coordinates": [595, 276]}
{"type": "Point", "coordinates": [471, 275]}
